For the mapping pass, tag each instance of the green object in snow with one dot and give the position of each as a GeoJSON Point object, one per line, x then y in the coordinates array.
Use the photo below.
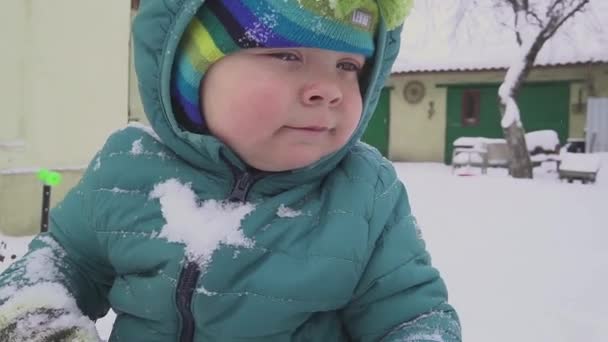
{"type": "Point", "coordinates": [49, 177]}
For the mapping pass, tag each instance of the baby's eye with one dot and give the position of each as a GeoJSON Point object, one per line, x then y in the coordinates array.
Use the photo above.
{"type": "Point", "coordinates": [285, 56]}
{"type": "Point", "coordinates": [349, 66]}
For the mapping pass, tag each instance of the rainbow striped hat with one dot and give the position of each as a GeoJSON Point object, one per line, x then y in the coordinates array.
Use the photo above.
{"type": "Point", "coordinates": [221, 27]}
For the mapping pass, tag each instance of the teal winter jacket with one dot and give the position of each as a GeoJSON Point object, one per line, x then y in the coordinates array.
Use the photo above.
{"type": "Point", "coordinates": [184, 242]}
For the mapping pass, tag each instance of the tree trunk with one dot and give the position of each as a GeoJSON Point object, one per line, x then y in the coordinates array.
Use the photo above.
{"type": "Point", "coordinates": [520, 165]}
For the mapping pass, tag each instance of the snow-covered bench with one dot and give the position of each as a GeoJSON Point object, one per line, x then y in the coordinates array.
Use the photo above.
{"type": "Point", "coordinates": [480, 152]}
{"type": "Point", "coordinates": [543, 146]}
{"type": "Point", "coordinates": [579, 166]}
{"type": "Point", "coordinates": [469, 156]}
{"type": "Point", "coordinates": [483, 152]}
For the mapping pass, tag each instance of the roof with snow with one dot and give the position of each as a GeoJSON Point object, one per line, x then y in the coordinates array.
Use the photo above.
{"type": "Point", "coordinates": [444, 36]}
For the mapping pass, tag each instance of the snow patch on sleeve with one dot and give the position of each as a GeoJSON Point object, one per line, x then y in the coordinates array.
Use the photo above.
{"type": "Point", "coordinates": [435, 337]}
{"type": "Point", "coordinates": [284, 211]}
{"type": "Point", "coordinates": [29, 307]}
{"type": "Point", "coordinates": [39, 266]}
{"type": "Point", "coordinates": [146, 129]}
{"type": "Point", "coordinates": [435, 326]}
{"type": "Point", "coordinates": [137, 148]}
{"type": "Point", "coordinates": [97, 165]}
{"type": "Point", "coordinates": [7, 291]}
{"type": "Point", "coordinates": [203, 227]}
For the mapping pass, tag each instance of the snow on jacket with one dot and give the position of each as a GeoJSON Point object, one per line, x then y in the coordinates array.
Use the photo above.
{"type": "Point", "coordinates": [330, 252]}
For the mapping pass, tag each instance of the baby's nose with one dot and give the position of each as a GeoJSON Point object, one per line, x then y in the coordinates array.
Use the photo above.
{"type": "Point", "coordinates": [322, 93]}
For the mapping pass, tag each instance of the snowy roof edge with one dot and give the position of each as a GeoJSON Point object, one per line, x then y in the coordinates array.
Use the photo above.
{"type": "Point", "coordinates": [402, 71]}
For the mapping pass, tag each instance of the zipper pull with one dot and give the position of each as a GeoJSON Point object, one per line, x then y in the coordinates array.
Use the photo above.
{"type": "Point", "coordinates": [241, 187]}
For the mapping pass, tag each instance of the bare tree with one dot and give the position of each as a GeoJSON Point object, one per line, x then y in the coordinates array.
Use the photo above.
{"type": "Point", "coordinates": [535, 22]}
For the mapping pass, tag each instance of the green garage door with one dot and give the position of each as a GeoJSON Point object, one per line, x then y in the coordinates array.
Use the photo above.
{"type": "Point", "coordinates": [376, 133]}
{"type": "Point", "coordinates": [473, 111]}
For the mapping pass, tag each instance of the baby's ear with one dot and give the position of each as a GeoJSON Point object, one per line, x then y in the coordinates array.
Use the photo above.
{"type": "Point", "coordinates": [394, 12]}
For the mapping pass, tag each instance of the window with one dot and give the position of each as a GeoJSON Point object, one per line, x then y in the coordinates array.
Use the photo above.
{"type": "Point", "coordinates": [470, 107]}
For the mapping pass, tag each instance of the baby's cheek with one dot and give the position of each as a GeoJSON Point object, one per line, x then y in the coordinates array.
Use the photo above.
{"type": "Point", "coordinates": [354, 111]}
{"type": "Point", "coordinates": [266, 106]}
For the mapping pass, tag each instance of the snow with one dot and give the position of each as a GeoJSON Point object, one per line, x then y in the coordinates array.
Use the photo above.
{"type": "Point", "coordinates": [435, 337]}
{"type": "Point", "coordinates": [546, 140]}
{"type": "Point", "coordinates": [284, 211]}
{"type": "Point", "coordinates": [476, 142]}
{"type": "Point", "coordinates": [187, 220]}
{"type": "Point", "coordinates": [137, 147]}
{"type": "Point", "coordinates": [116, 190]}
{"type": "Point", "coordinates": [482, 41]}
{"type": "Point", "coordinates": [426, 337]}
{"type": "Point", "coordinates": [524, 260]}
{"type": "Point", "coordinates": [37, 269]}
{"type": "Point", "coordinates": [542, 157]}
{"type": "Point", "coordinates": [34, 296]}
{"type": "Point", "coordinates": [580, 162]}
{"type": "Point", "coordinates": [148, 129]}
{"type": "Point", "coordinates": [467, 158]}
{"type": "Point", "coordinates": [505, 92]}
{"type": "Point", "coordinates": [97, 164]}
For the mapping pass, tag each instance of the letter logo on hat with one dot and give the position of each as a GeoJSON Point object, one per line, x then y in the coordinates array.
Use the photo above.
{"type": "Point", "coordinates": [361, 18]}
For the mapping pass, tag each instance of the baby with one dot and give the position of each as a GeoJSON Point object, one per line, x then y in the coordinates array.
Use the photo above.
{"type": "Point", "coordinates": [251, 210]}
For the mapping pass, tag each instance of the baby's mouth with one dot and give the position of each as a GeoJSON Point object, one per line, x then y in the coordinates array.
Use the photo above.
{"type": "Point", "coordinates": [310, 128]}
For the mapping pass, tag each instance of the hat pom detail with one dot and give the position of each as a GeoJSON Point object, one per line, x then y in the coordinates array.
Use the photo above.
{"type": "Point", "coordinates": [394, 12]}
{"type": "Point", "coordinates": [343, 8]}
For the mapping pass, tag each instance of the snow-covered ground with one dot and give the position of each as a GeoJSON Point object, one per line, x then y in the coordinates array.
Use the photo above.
{"type": "Point", "coordinates": [524, 260]}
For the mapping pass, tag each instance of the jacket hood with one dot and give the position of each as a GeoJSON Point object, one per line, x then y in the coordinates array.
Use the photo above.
{"type": "Point", "coordinates": [157, 30]}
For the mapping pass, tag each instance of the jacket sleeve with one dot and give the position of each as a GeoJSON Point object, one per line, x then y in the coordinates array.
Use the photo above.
{"type": "Point", "coordinates": [66, 268]}
{"type": "Point", "coordinates": [400, 296]}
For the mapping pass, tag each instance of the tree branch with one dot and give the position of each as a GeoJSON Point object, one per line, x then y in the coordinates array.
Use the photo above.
{"type": "Point", "coordinates": [539, 21]}
{"type": "Point", "coordinates": [558, 22]}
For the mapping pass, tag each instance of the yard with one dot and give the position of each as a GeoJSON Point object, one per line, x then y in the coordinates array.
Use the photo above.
{"type": "Point", "coordinates": [524, 260]}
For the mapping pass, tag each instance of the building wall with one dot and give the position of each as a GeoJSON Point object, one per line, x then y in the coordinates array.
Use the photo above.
{"type": "Point", "coordinates": [415, 135]}
{"type": "Point", "coordinates": [21, 200]}
{"type": "Point", "coordinates": [64, 89]}
{"type": "Point", "coordinates": [136, 108]}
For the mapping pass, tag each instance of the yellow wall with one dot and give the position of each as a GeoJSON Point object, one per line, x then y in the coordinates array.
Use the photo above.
{"type": "Point", "coordinates": [21, 200]}
{"type": "Point", "coordinates": [11, 71]}
{"type": "Point", "coordinates": [64, 89]}
{"type": "Point", "coordinates": [414, 136]}
{"type": "Point", "coordinates": [136, 108]}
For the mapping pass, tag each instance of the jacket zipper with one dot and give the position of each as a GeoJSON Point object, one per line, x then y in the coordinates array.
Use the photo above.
{"type": "Point", "coordinates": [190, 273]}
{"type": "Point", "coordinates": [185, 291]}
{"type": "Point", "coordinates": [241, 188]}
{"type": "Point", "coordinates": [244, 180]}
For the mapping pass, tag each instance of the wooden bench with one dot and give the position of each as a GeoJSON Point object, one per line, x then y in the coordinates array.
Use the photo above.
{"type": "Point", "coordinates": [579, 166]}
{"type": "Point", "coordinates": [498, 154]}
{"type": "Point", "coordinates": [483, 154]}
{"type": "Point", "coordinates": [469, 156]}
{"type": "Point", "coordinates": [583, 176]}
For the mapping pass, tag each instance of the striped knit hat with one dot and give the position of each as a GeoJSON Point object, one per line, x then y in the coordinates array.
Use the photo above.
{"type": "Point", "coordinates": [221, 27]}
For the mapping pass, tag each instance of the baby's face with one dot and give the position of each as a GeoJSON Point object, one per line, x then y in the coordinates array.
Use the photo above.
{"type": "Point", "coordinates": [283, 109]}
